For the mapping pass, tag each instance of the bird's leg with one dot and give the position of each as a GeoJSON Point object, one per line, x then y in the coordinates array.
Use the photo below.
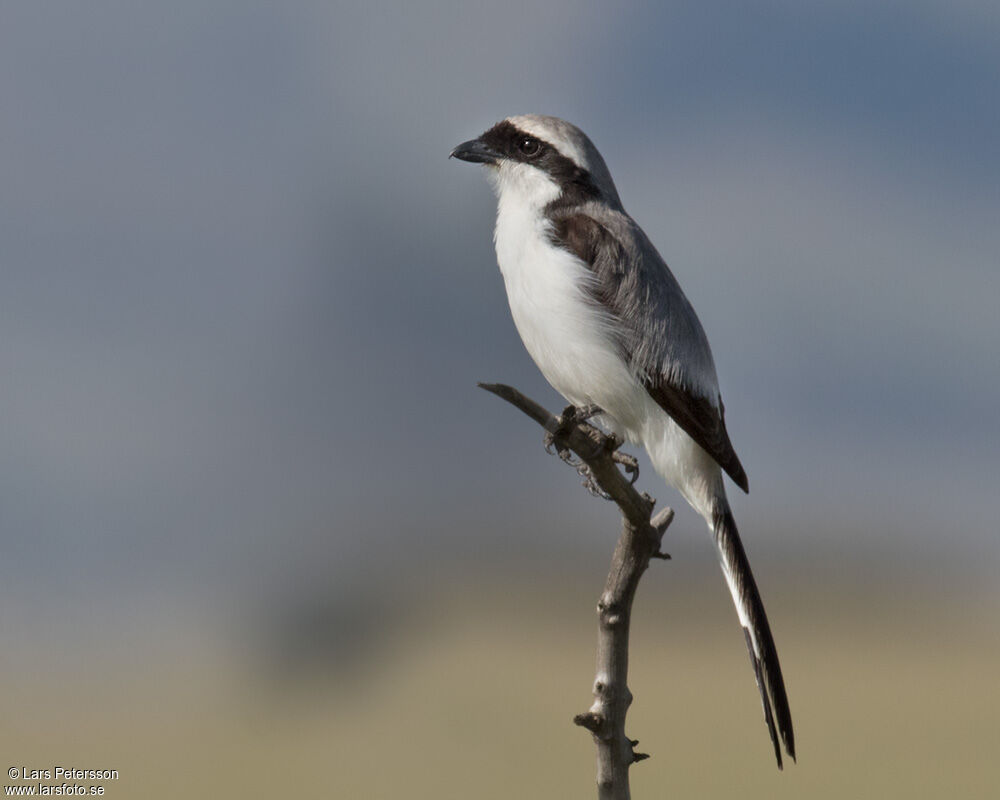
{"type": "Point", "coordinates": [570, 416]}
{"type": "Point", "coordinates": [585, 413]}
{"type": "Point", "coordinates": [573, 415]}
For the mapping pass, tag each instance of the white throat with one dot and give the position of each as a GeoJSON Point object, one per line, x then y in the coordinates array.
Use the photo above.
{"type": "Point", "coordinates": [522, 185]}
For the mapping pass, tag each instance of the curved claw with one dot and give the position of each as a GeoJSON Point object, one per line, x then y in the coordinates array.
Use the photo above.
{"type": "Point", "coordinates": [628, 463]}
{"type": "Point", "coordinates": [590, 483]}
{"type": "Point", "coordinates": [552, 446]}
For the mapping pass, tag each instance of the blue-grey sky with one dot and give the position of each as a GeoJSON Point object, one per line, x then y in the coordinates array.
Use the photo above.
{"type": "Point", "coordinates": [245, 297]}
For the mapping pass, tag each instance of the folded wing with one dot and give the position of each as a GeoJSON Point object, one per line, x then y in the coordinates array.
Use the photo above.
{"type": "Point", "coordinates": [662, 339]}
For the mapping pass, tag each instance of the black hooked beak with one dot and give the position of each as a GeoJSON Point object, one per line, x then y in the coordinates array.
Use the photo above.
{"type": "Point", "coordinates": [476, 152]}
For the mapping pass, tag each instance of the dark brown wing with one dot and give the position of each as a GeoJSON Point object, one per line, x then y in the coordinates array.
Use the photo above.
{"type": "Point", "coordinates": [663, 340]}
{"type": "Point", "coordinates": [703, 422]}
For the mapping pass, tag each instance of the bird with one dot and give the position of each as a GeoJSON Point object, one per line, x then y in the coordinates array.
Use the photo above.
{"type": "Point", "coordinates": [610, 329]}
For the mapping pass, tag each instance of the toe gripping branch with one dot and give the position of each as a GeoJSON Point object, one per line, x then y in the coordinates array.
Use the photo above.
{"type": "Point", "coordinates": [556, 442]}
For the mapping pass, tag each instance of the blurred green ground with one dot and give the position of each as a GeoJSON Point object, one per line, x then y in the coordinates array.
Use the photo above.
{"type": "Point", "coordinates": [895, 693]}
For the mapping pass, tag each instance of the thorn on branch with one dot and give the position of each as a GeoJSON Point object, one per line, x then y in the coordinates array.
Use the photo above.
{"type": "Point", "coordinates": [637, 756]}
{"type": "Point", "coordinates": [591, 721]}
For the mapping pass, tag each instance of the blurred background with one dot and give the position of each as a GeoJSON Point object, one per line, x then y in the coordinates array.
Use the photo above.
{"type": "Point", "coordinates": [260, 532]}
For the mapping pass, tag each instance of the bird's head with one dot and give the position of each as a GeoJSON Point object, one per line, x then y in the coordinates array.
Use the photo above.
{"type": "Point", "coordinates": [537, 161]}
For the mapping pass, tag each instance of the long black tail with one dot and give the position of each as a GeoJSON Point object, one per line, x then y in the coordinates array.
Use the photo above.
{"type": "Point", "coordinates": [760, 642]}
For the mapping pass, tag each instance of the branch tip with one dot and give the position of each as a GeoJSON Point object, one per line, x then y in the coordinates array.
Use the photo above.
{"type": "Point", "coordinates": [662, 519]}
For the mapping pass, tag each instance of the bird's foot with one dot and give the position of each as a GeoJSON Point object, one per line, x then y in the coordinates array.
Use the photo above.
{"type": "Point", "coordinates": [612, 443]}
{"type": "Point", "coordinates": [571, 415]}
{"type": "Point", "coordinates": [590, 482]}
{"type": "Point", "coordinates": [555, 444]}
{"type": "Point", "coordinates": [628, 463]}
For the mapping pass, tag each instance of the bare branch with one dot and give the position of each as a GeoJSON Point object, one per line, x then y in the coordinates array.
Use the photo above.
{"type": "Point", "coordinates": [640, 541]}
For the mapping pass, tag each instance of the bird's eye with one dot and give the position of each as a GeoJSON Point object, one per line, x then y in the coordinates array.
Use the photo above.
{"type": "Point", "coordinates": [529, 146]}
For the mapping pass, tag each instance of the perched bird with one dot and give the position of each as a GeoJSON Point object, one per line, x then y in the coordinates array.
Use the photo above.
{"type": "Point", "coordinates": [608, 325]}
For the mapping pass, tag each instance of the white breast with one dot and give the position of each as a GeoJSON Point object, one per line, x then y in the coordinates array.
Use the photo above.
{"type": "Point", "coordinates": [565, 333]}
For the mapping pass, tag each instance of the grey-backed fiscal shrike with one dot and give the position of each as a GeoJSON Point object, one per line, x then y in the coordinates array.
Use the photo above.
{"type": "Point", "coordinates": [608, 325]}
